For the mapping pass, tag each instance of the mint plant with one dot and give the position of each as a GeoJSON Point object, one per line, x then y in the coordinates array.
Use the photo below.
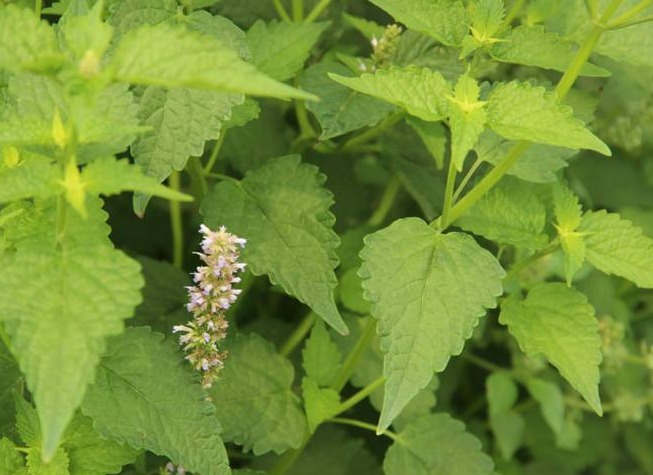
{"type": "Point", "coordinates": [425, 237]}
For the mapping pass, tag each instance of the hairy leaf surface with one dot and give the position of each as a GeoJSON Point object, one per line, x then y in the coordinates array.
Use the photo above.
{"type": "Point", "coordinates": [143, 396]}
{"type": "Point", "coordinates": [429, 291]}
{"type": "Point", "coordinates": [283, 212]}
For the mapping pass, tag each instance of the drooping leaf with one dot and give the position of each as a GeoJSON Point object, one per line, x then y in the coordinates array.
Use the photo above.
{"type": "Point", "coordinates": [254, 402]}
{"type": "Point", "coordinates": [415, 277]}
{"type": "Point", "coordinates": [26, 42]}
{"type": "Point", "coordinates": [557, 322]}
{"type": "Point", "coordinates": [533, 46]}
{"type": "Point", "coordinates": [58, 324]}
{"type": "Point", "coordinates": [321, 356]}
{"type": "Point", "coordinates": [162, 409]}
{"type": "Point", "coordinates": [182, 120]}
{"type": "Point", "coordinates": [340, 109]}
{"type": "Point", "coordinates": [283, 212]}
{"type": "Point", "coordinates": [319, 403]}
{"type": "Point", "coordinates": [433, 136]}
{"type": "Point", "coordinates": [350, 292]}
{"type": "Point", "coordinates": [445, 20]}
{"type": "Point", "coordinates": [108, 176]}
{"type": "Point", "coordinates": [510, 213]}
{"type": "Point", "coordinates": [520, 111]}
{"type": "Point", "coordinates": [614, 246]}
{"type": "Point", "coordinates": [420, 91]}
{"type": "Point", "coordinates": [279, 49]}
{"type": "Point", "coordinates": [176, 57]}
{"type": "Point", "coordinates": [436, 445]}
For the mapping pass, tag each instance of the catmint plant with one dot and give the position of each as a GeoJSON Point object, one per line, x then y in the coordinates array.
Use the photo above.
{"type": "Point", "coordinates": [445, 208]}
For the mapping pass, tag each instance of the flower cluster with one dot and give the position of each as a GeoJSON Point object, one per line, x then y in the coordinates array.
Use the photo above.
{"type": "Point", "coordinates": [384, 48]}
{"type": "Point", "coordinates": [171, 469]}
{"type": "Point", "coordinates": [209, 298]}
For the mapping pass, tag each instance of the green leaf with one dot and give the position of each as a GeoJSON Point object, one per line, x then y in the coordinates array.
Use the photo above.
{"type": "Point", "coordinates": [11, 463]}
{"type": "Point", "coordinates": [433, 136]}
{"type": "Point", "coordinates": [222, 29]}
{"type": "Point", "coordinates": [538, 164]}
{"type": "Point", "coordinates": [253, 398]}
{"type": "Point", "coordinates": [445, 20]}
{"type": "Point", "coordinates": [551, 401]}
{"type": "Point", "coordinates": [340, 109]}
{"type": "Point", "coordinates": [175, 57]}
{"type": "Point", "coordinates": [411, 160]}
{"type": "Point", "coordinates": [58, 324]}
{"type": "Point", "coordinates": [320, 404]}
{"type": "Point", "coordinates": [628, 45]}
{"type": "Point", "coordinates": [509, 213]}
{"type": "Point", "coordinates": [30, 178]}
{"type": "Point", "coordinates": [335, 452]}
{"type": "Point", "coordinates": [436, 445]}
{"type": "Point", "coordinates": [182, 120]}
{"type": "Point", "coordinates": [321, 356]}
{"type": "Point", "coordinates": [10, 381]}
{"type": "Point", "coordinates": [162, 409]}
{"type": "Point", "coordinates": [90, 454]}
{"type": "Point", "coordinates": [27, 422]}
{"type": "Point", "coordinates": [467, 117]}
{"type": "Point", "coordinates": [614, 246]}
{"type": "Point", "coordinates": [84, 33]}
{"type": "Point", "coordinates": [533, 46]}
{"type": "Point", "coordinates": [415, 277]}
{"type": "Point", "coordinates": [279, 49]}
{"type": "Point", "coordinates": [487, 18]}
{"type": "Point", "coordinates": [568, 215]}
{"type": "Point", "coordinates": [507, 425]}
{"type": "Point", "coordinates": [520, 111]}
{"type": "Point", "coordinates": [350, 292]}
{"type": "Point", "coordinates": [283, 211]}
{"type": "Point", "coordinates": [108, 176]}
{"type": "Point", "coordinates": [420, 91]}
{"type": "Point", "coordinates": [127, 15]}
{"type": "Point", "coordinates": [557, 322]}
{"type": "Point", "coordinates": [26, 42]}
{"type": "Point", "coordinates": [58, 465]}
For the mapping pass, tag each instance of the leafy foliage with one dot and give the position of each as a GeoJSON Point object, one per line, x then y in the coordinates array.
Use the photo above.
{"type": "Point", "coordinates": [360, 165]}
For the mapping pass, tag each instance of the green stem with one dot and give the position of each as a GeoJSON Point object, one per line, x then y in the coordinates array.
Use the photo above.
{"type": "Point", "coordinates": [38, 6]}
{"type": "Point", "coordinates": [592, 8]}
{"type": "Point", "coordinates": [297, 10]}
{"type": "Point", "coordinates": [176, 223]}
{"type": "Point", "coordinates": [366, 426]}
{"type": "Point", "coordinates": [521, 265]}
{"type": "Point", "coordinates": [319, 8]}
{"type": "Point", "coordinates": [513, 12]}
{"type": "Point", "coordinates": [387, 200]}
{"type": "Point", "coordinates": [486, 184]}
{"type": "Point", "coordinates": [194, 167]}
{"type": "Point", "coordinates": [306, 130]}
{"type": "Point", "coordinates": [485, 364]}
{"type": "Point", "coordinates": [214, 153]}
{"type": "Point", "coordinates": [222, 176]}
{"type": "Point", "coordinates": [354, 356]}
{"type": "Point", "coordinates": [618, 26]}
{"type": "Point", "coordinates": [62, 218]}
{"type": "Point", "coordinates": [281, 11]}
{"type": "Point", "coordinates": [289, 458]}
{"type": "Point", "coordinates": [629, 14]}
{"type": "Point", "coordinates": [297, 336]}
{"type": "Point", "coordinates": [466, 179]}
{"type": "Point", "coordinates": [448, 192]}
{"type": "Point", "coordinates": [360, 395]}
{"type": "Point", "coordinates": [373, 132]}
{"type": "Point", "coordinates": [563, 87]}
